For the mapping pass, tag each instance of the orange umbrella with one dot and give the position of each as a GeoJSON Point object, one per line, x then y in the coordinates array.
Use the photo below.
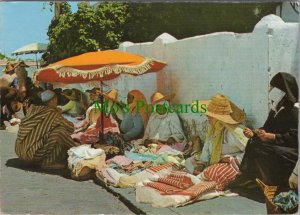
{"type": "Point", "coordinates": [97, 66]}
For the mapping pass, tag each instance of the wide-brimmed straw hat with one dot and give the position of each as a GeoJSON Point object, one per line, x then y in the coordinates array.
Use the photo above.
{"type": "Point", "coordinates": [221, 108]}
{"type": "Point", "coordinates": [21, 63]}
{"type": "Point", "coordinates": [111, 95]}
{"type": "Point", "coordinates": [158, 97]}
{"type": "Point", "coordinates": [8, 68]}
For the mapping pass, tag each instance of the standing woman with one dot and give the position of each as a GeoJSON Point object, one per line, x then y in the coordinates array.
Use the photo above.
{"type": "Point", "coordinates": [272, 151]}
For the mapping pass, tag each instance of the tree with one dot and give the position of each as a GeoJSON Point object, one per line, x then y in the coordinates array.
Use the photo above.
{"type": "Point", "coordinates": [3, 57]}
{"type": "Point", "coordinates": [89, 29]}
{"type": "Point", "coordinates": [107, 24]}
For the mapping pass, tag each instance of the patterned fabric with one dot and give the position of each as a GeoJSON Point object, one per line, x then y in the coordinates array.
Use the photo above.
{"type": "Point", "coordinates": [44, 136]}
{"type": "Point", "coordinates": [199, 189]}
{"type": "Point", "coordinates": [221, 173]}
{"type": "Point", "coordinates": [120, 160]}
{"type": "Point", "coordinates": [92, 135]}
{"type": "Point", "coordinates": [178, 183]}
{"type": "Point", "coordinates": [164, 188]}
{"type": "Point", "coordinates": [160, 167]}
{"type": "Point", "coordinates": [135, 166]}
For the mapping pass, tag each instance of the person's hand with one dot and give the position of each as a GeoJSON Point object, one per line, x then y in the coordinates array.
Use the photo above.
{"type": "Point", "coordinates": [264, 136]}
{"type": "Point", "coordinates": [170, 141]}
{"type": "Point", "coordinates": [293, 181]}
{"type": "Point", "coordinates": [248, 132]}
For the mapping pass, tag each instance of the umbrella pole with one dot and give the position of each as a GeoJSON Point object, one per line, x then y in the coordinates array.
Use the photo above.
{"type": "Point", "coordinates": [102, 116]}
{"type": "Point", "coordinates": [37, 65]}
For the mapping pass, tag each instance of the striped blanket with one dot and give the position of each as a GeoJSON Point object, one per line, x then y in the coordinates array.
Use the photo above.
{"type": "Point", "coordinates": [179, 183]}
{"type": "Point", "coordinates": [44, 136]}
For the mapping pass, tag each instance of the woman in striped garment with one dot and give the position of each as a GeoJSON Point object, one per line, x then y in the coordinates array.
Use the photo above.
{"type": "Point", "coordinates": [44, 136]}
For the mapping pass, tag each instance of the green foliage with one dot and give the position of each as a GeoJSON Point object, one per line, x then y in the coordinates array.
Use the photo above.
{"type": "Point", "coordinates": [89, 29]}
{"type": "Point", "coordinates": [2, 57]}
{"type": "Point", "coordinates": [182, 20]}
{"type": "Point", "coordinates": [107, 24]}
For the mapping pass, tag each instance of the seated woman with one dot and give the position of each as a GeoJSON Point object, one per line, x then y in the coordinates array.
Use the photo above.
{"type": "Point", "coordinates": [225, 141]}
{"type": "Point", "coordinates": [91, 135]}
{"type": "Point", "coordinates": [44, 136]}
{"type": "Point", "coordinates": [73, 106]}
{"type": "Point", "coordinates": [135, 121]}
{"type": "Point", "coordinates": [91, 112]}
{"type": "Point", "coordinates": [164, 126]}
{"type": "Point", "coordinates": [272, 151]}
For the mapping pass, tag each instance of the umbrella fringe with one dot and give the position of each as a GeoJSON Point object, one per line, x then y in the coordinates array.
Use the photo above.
{"type": "Point", "coordinates": [101, 72]}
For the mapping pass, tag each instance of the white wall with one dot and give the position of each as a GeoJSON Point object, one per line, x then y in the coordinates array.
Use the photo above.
{"type": "Point", "coordinates": [287, 12]}
{"type": "Point", "coordinates": [237, 65]}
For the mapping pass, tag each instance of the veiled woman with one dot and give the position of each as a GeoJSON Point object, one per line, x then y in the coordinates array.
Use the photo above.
{"type": "Point", "coordinates": [272, 151]}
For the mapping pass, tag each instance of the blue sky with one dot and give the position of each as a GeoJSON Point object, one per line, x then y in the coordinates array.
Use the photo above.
{"type": "Point", "coordinates": [22, 23]}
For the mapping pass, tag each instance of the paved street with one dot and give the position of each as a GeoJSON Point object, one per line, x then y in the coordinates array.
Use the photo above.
{"type": "Point", "coordinates": [32, 192]}
{"type": "Point", "coordinates": [24, 190]}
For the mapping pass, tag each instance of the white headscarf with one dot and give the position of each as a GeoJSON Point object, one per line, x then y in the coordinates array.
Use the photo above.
{"type": "Point", "coordinates": [276, 95]}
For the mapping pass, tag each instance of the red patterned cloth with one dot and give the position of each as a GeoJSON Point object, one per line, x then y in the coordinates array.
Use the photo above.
{"type": "Point", "coordinates": [160, 167]}
{"type": "Point", "coordinates": [92, 135]}
{"type": "Point", "coordinates": [178, 180]}
{"type": "Point", "coordinates": [178, 183]}
{"type": "Point", "coordinates": [221, 173]}
{"type": "Point", "coordinates": [199, 189]}
{"type": "Point", "coordinates": [164, 188]}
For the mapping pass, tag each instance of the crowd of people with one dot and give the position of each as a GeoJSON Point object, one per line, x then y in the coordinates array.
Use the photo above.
{"type": "Point", "coordinates": [232, 155]}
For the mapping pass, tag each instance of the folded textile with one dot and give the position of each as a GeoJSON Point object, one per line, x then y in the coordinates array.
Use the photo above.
{"type": "Point", "coordinates": [287, 201]}
{"type": "Point", "coordinates": [179, 182]}
{"type": "Point", "coordinates": [159, 168]}
{"type": "Point", "coordinates": [82, 152]}
{"type": "Point", "coordinates": [140, 157]}
{"type": "Point", "coordinates": [94, 163]}
{"type": "Point", "coordinates": [127, 181]}
{"type": "Point", "coordinates": [176, 182]}
{"type": "Point", "coordinates": [120, 160]}
{"type": "Point", "coordinates": [110, 176]}
{"type": "Point", "coordinates": [179, 146]}
{"type": "Point", "coordinates": [221, 173]}
{"type": "Point", "coordinates": [177, 188]}
{"type": "Point", "coordinates": [169, 150]}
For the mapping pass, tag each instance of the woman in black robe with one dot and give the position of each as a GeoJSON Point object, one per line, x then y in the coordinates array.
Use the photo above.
{"type": "Point", "coordinates": [272, 151]}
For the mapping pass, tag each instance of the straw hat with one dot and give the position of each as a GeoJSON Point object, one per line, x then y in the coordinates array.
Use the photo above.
{"type": "Point", "coordinates": [111, 95]}
{"type": "Point", "coordinates": [221, 108]}
{"type": "Point", "coordinates": [158, 97]}
{"type": "Point", "coordinates": [8, 68]}
{"type": "Point", "coordinates": [21, 63]}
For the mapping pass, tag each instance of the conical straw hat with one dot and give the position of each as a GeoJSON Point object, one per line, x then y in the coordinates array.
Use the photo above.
{"type": "Point", "coordinates": [221, 108]}
{"type": "Point", "coordinates": [158, 97]}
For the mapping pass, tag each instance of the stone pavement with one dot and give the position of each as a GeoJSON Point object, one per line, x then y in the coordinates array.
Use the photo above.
{"type": "Point", "coordinates": [26, 190]}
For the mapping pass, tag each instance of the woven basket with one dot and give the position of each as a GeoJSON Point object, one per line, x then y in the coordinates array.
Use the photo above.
{"type": "Point", "coordinates": [270, 192]}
